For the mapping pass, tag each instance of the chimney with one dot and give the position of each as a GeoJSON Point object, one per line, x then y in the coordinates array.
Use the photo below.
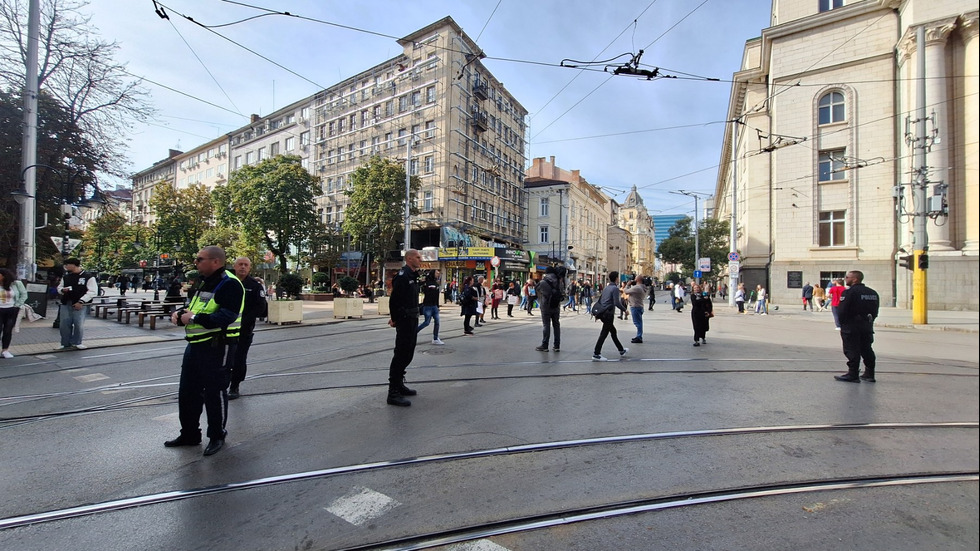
{"type": "Point", "coordinates": [255, 117]}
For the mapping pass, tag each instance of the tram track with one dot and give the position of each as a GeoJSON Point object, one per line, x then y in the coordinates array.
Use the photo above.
{"type": "Point", "coordinates": [551, 518]}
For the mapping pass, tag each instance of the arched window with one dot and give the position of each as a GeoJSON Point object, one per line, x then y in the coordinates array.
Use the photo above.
{"type": "Point", "coordinates": [831, 108]}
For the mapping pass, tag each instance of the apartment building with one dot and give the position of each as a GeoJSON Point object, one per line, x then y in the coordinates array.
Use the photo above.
{"type": "Point", "coordinates": [205, 165]}
{"type": "Point", "coordinates": [568, 219]}
{"type": "Point", "coordinates": [285, 131]}
{"type": "Point", "coordinates": [145, 180]}
{"type": "Point", "coordinates": [820, 164]}
{"type": "Point", "coordinates": [635, 218]}
{"type": "Point", "coordinates": [461, 131]}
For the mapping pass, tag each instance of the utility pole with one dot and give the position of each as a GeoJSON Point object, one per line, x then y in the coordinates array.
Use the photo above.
{"type": "Point", "coordinates": [26, 254]}
{"type": "Point", "coordinates": [697, 244]}
{"type": "Point", "coordinates": [408, 194]}
{"type": "Point", "coordinates": [733, 230]}
{"type": "Point", "coordinates": [920, 237]}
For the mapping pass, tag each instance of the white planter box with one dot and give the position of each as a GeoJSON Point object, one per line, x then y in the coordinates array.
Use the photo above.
{"type": "Point", "coordinates": [285, 311]}
{"type": "Point", "coordinates": [348, 307]}
{"type": "Point", "coordinates": [384, 309]}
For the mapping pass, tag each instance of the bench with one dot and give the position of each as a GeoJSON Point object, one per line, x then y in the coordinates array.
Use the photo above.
{"type": "Point", "coordinates": [152, 315]}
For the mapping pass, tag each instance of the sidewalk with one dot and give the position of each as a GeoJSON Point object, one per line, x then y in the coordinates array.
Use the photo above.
{"type": "Point", "coordinates": [939, 320]}
{"type": "Point", "coordinates": [40, 338]}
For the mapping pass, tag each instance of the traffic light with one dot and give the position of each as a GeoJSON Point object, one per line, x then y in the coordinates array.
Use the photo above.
{"type": "Point", "coordinates": [923, 261]}
{"type": "Point", "coordinates": [905, 261]}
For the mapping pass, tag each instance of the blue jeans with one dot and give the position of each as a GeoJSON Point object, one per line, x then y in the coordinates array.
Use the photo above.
{"type": "Point", "coordinates": [71, 324]}
{"type": "Point", "coordinates": [430, 313]}
{"type": "Point", "coordinates": [587, 301]}
{"type": "Point", "coordinates": [637, 313]}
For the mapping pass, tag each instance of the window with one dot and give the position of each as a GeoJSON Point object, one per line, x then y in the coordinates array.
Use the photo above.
{"type": "Point", "coordinates": [831, 165]}
{"type": "Point", "coordinates": [290, 144]}
{"type": "Point", "coordinates": [430, 94]}
{"type": "Point", "coordinates": [262, 154]}
{"type": "Point", "coordinates": [238, 162]}
{"type": "Point", "coordinates": [430, 129]}
{"type": "Point", "coordinates": [827, 5]}
{"type": "Point", "coordinates": [543, 234]}
{"type": "Point", "coordinates": [304, 113]}
{"type": "Point", "coordinates": [832, 228]}
{"type": "Point", "coordinates": [249, 157]}
{"type": "Point", "coordinates": [304, 138]}
{"type": "Point", "coordinates": [427, 201]}
{"type": "Point", "coordinates": [545, 207]}
{"type": "Point", "coordinates": [274, 149]}
{"type": "Point", "coordinates": [413, 167]}
{"type": "Point", "coordinates": [831, 108]}
{"type": "Point", "coordinates": [428, 165]}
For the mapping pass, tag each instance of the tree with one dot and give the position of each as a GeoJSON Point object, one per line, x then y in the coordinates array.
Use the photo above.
{"type": "Point", "coordinates": [273, 199]}
{"type": "Point", "coordinates": [182, 216]}
{"type": "Point", "coordinates": [105, 234]}
{"type": "Point", "coordinates": [67, 157]}
{"type": "Point", "coordinates": [77, 70]}
{"type": "Point", "coordinates": [234, 241]}
{"type": "Point", "coordinates": [678, 248]}
{"type": "Point", "coordinates": [375, 217]}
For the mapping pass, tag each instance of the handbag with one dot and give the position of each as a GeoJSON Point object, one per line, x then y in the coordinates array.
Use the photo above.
{"type": "Point", "coordinates": [479, 307]}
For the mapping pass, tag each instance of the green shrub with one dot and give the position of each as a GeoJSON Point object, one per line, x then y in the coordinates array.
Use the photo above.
{"type": "Point", "coordinates": [290, 285]}
{"type": "Point", "coordinates": [348, 284]}
{"type": "Point", "coordinates": [321, 281]}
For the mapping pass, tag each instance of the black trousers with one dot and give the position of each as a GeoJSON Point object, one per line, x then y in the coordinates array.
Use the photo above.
{"type": "Point", "coordinates": [406, 335]}
{"type": "Point", "coordinates": [550, 318]}
{"type": "Point", "coordinates": [857, 346]}
{"type": "Point", "coordinates": [204, 376]}
{"type": "Point", "coordinates": [8, 318]}
{"type": "Point", "coordinates": [240, 367]}
{"type": "Point", "coordinates": [608, 328]}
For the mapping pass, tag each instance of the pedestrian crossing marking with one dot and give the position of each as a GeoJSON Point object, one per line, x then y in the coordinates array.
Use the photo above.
{"type": "Point", "coordinates": [361, 505]}
{"type": "Point", "coordinates": [91, 378]}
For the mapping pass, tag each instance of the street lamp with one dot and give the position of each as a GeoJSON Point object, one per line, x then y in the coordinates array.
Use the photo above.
{"type": "Point", "coordinates": [697, 249]}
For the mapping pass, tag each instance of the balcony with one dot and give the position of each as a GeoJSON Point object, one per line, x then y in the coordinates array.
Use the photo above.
{"type": "Point", "coordinates": [478, 120]}
{"type": "Point", "coordinates": [480, 90]}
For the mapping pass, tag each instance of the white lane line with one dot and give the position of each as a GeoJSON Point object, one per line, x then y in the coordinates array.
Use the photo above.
{"type": "Point", "coordinates": [91, 378]}
{"type": "Point", "coordinates": [361, 505]}
{"type": "Point", "coordinates": [478, 545]}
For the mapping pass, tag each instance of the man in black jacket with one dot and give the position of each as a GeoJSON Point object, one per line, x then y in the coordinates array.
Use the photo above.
{"type": "Point", "coordinates": [255, 307]}
{"type": "Point", "coordinates": [404, 306]}
{"type": "Point", "coordinates": [857, 312]}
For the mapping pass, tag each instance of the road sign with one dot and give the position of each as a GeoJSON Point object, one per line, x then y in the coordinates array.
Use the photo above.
{"type": "Point", "coordinates": [495, 261]}
{"type": "Point", "coordinates": [59, 242]}
{"type": "Point", "coordinates": [733, 257]}
{"type": "Point", "coordinates": [704, 264]}
{"type": "Point", "coordinates": [697, 274]}
{"type": "Point", "coordinates": [733, 268]}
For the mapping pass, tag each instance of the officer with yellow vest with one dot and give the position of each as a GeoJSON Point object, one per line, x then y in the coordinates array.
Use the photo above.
{"type": "Point", "coordinates": [212, 322]}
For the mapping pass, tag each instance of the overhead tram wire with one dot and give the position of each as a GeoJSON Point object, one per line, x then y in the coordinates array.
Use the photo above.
{"type": "Point", "coordinates": [164, 86]}
{"type": "Point", "coordinates": [206, 69]}
{"type": "Point", "coordinates": [477, 40]}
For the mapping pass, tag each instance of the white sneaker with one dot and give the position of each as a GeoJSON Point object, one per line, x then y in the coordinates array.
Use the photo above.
{"type": "Point", "coordinates": [6, 354]}
{"type": "Point", "coordinates": [437, 341]}
{"type": "Point", "coordinates": [623, 352]}
{"type": "Point", "coordinates": [80, 347]}
{"type": "Point", "coordinates": [597, 358]}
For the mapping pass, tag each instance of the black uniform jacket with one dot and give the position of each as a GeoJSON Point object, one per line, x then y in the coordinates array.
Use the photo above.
{"type": "Point", "coordinates": [404, 302]}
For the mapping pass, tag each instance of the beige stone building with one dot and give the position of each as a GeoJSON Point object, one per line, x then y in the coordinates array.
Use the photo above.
{"type": "Point", "coordinates": [143, 183]}
{"type": "Point", "coordinates": [462, 131]}
{"type": "Point", "coordinates": [635, 218]}
{"type": "Point", "coordinates": [286, 131]}
{"type": "Point", "coordinates": [819, 162]}
{"type": "Point", "coordinates": [205, 165]}
{"type": "Point", "coordinates": [568, 219]}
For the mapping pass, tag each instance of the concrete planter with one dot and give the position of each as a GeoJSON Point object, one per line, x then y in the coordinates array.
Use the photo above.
{"type": "Point", "coordinates": [285, 311]}
{"type": "Point", "coordinates": [384, 309]}
{"type": "Point", "coordinates": [316, 297]}
{"type": "Point", "coordinates": [348, 307]}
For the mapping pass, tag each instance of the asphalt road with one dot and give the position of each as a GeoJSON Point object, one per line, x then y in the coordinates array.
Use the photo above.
{"type": "Point", "coordinates": [746, 443]}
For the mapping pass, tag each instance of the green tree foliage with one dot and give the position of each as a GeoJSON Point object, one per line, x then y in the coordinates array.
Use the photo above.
{"type": "Point", "coordinates": [235, 242]}
{"type": "Point", "coordinates": [375, 217]}
{"type": "Point", "coordinates": [274, 199]}
{"type": "Point", "coordinates": [182, 217]}
{"type": "Point", "coordinates": [678, 248]}
{"type": "Point", "coordinates": [106, 235]}
{"type": "Point", "coordinates": [68, 158]}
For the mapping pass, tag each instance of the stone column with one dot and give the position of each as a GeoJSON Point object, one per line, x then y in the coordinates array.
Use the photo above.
{"type": "Point", "coordinates": [937, 96]}
{"type": "Point", "coordinates": [971, 86]}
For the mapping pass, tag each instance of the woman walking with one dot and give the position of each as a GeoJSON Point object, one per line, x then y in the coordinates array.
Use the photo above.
{"type": "Point", "coordinates": [13, 295]}
{"type": "Point", "coordinates": [605, 311]}
{"type": "Point", "coordinates": [701, 312]}
{"type": "Point", "coordinates": [513, 295]}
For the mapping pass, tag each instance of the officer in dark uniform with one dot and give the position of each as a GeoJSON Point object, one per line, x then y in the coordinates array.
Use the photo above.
{"type": "Point", "coordinates": [212, 322]}
{"type": "Point", "coordinates": [255, 307]}
{"type": "Point", "coordinates": [857, 312]}
{"type": "Point", "coordinates": [404, 306]}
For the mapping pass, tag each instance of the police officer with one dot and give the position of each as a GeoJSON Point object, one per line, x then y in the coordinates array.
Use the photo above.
{"type": "Point", "coordinates": [212, 322]}
{"type": "Point", "coordinates": [404, 306]}
{"type": "Point", "coordinates": [255, 307]}
{"type": "Point", "coordinates": [857, 312]}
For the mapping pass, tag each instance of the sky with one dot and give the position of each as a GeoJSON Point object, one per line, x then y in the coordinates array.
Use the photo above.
{"type": "Point", "coordinates": [660, 135]}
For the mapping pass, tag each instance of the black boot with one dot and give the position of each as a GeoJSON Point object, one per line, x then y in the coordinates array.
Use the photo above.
{"type": "Point", "coordinates": [396, 399]}
{"type": "Point", "coordinates": [404, 390]}
{"type": "Point", "coordinates": [233, 392]}
{"type": "Point", "coordinates": [849, 377]}
{"type": "Point", "coordinates": [868, 375]}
